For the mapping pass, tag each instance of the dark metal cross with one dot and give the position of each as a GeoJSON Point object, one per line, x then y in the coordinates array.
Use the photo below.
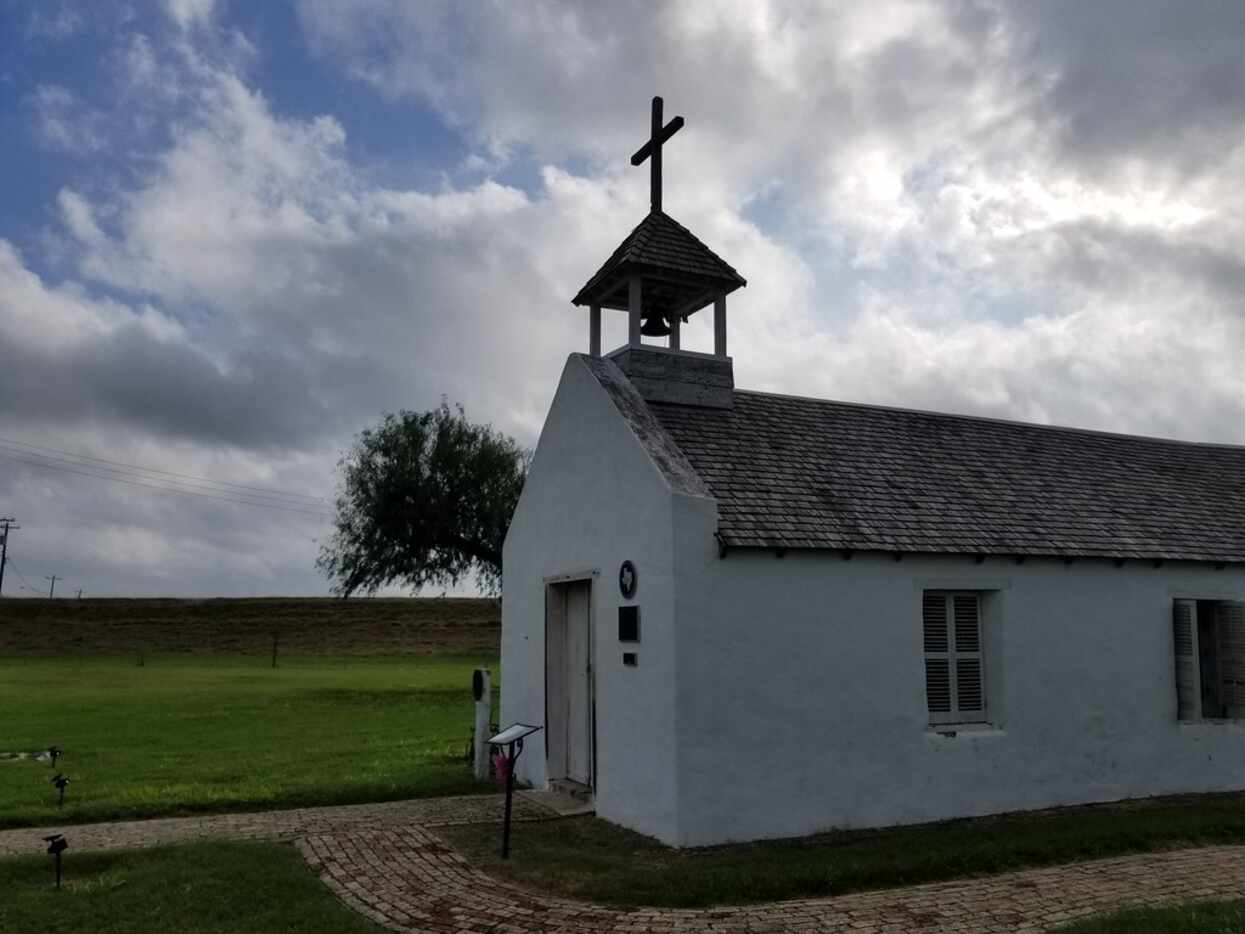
{"type": "Point", "coordinates": [652, 151]}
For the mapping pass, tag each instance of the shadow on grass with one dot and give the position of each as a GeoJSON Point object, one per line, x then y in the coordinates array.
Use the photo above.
{"type": "Point", "coordinates": [1203, 918]}
{"type": "Point", "coordinates": [591, 859]}
{"type": "Point", "coordinates": [208, 888]}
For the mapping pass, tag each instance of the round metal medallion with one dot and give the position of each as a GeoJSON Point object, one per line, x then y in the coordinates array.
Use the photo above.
{"type": "Point", "coordinates": [627, 580]}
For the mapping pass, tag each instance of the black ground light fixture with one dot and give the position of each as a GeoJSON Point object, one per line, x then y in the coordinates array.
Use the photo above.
{"type": "Point", "coordinates": [57, 844]}
{"type": "Point", "coordinates": [54, 753]}
{"type": "Point", "coordinates": [512, 738]}
{"type": "Point", "coordinates": [61, 782]}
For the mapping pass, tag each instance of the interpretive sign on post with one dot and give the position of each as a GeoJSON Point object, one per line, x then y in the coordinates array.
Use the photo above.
{"type": "Point", "coordinates": [512, 738]}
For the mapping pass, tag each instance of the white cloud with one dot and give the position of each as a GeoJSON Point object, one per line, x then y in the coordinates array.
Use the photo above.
{"type": "Point", "coordinates": [930, 236]}
{"type": "Point", "coordinates": [63, 122]}
{"type": "Point", "coordinates": [54, 24]}
{"type": "Point", "coordinates": [151, 78]}
{"type": "Point", "coordinates": [305, 300]}
{"type": "Point", "coordinates": [190, 13]}
{"type": "Point", "coordinates": [895, 181]}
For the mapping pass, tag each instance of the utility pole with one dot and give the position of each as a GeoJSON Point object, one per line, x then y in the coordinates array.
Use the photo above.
{"type": "Point", "coordinates": [6, 524]}
{"type": "Point", "coordinates": [52, 589]}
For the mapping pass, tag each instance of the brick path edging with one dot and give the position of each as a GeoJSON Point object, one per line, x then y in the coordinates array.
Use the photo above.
{"type": "Point", "coordinates": [409, 880]}
{"type": "Point", "coordinates": [288, 824]}
{"type": "Point", "coordinates": [386, 862]}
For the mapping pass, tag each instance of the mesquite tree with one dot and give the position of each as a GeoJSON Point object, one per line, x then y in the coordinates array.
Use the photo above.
{"type": "Point", "coordinates": [425, 500]}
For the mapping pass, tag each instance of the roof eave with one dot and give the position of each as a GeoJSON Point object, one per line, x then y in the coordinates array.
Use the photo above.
{"type": "Point", "coordinates": [847, 548]}
{"type": "Point", "coordinates": [600, 288]}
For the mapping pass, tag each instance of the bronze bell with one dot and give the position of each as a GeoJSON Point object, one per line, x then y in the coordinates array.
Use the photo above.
{"type": "Point", "coordinates": [653, 324]}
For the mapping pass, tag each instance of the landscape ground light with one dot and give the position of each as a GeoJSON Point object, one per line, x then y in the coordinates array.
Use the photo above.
{"type": "Point", "coordinates": [61, 782]}
{"type": "Point", "coordinates": [57, 844]}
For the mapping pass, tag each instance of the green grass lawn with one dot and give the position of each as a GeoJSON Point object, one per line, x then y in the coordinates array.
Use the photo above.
{"type": "Point", "coordinates": [591, 859]}
{"type": "Point", "coordinates": [181, 735]}
{"type": "Point", "coordinates": [1210, 918]}
{"type": "Point", "coordinates": [205, 888]}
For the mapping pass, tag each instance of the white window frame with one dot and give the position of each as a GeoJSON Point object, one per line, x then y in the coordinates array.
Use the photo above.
{"type": "Point", "coordinates": [953, 655]}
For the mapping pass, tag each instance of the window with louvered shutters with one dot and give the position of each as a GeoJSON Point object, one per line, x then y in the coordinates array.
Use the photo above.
{"type": "Point", "coordinates": [1184, 637]}
{"type": "Point", "coordinates": [1230, 631]}
{"type": "Point", "coordinates": [955, 685]}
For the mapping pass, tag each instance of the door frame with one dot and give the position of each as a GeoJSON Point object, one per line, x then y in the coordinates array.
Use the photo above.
{"type": "Point", "coordinates": [555, 603]}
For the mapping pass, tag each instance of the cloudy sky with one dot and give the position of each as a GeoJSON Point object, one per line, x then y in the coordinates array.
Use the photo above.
{"type": "Point", "coordinates": [234, 233]}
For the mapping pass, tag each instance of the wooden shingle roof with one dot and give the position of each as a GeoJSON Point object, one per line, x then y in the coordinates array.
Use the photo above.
{"type": "Point", "coordinates": [662, 248]}
{"type": "Point", "coordinates": [790, 472]}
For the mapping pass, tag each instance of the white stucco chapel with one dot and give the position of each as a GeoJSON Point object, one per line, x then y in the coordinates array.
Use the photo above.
{"type": "Point", "coordinates": [739, 615]}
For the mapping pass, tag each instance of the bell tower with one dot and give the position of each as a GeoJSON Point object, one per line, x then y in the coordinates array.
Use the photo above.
{"type": "Point", "coordinates": [660, 275]}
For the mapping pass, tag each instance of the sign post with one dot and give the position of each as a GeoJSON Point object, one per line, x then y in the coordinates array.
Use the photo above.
{"type": "Point", "coordinates": [512, 738]}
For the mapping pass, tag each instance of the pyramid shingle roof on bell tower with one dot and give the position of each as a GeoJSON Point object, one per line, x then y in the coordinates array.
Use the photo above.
{"type": "Point", "coordinates": [659, 247]}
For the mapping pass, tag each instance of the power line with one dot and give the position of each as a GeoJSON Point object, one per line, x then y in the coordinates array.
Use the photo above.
{"type": "Point", "coordinates": [167, 484]}
{"type": "Point", "coordinates": [25, 583]}
{"type": "Point", "coordinates": [164, 489]}
{"type": "Point", "coordinates": [265, 491]}
{"type": "Point", "coordinates": [262, 491]}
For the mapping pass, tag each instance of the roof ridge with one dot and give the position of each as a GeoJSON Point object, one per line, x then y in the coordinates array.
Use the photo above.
{"type": "Point", "coordinates": [996, 420]}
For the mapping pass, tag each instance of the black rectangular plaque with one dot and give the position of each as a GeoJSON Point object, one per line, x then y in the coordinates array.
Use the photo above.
{"type": "Point", "coordinates": [630, 659]}
{"type": "Point", "coordinates": [628, 624]}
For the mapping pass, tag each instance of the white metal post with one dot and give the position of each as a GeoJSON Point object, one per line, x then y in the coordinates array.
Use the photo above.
{"type": "Point", "coordinates": [484, 711]}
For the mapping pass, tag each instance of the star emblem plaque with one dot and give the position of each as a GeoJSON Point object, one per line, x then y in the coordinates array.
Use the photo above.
{"type": "Point", "coordinates": [627, 580]}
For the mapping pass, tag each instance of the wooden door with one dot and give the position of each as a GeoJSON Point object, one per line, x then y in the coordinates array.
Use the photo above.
{"type": "Point", "coordinates": [568, 681]}
{"type": "Point", "coordinates": [579, 683]}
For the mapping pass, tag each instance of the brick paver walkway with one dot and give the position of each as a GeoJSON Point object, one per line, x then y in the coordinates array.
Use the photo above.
{"type": "Point", "coordinates": [275, 825]}
{"type": "Point", "coordinates": [409, 880]}
{"type": "Point", "coordinates": [385, 861]}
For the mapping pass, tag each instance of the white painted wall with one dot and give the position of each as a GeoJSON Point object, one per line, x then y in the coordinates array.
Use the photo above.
{"type": "Point", "coordinates": [779, 697]}
{"type": "Point", "coordinates": [592, 500]}
{"type": "Point", "coordinates": [802, 696]}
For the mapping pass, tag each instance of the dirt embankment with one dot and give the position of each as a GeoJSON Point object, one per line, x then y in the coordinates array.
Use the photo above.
{"type": "Point", "coordinates": [304, 626]}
